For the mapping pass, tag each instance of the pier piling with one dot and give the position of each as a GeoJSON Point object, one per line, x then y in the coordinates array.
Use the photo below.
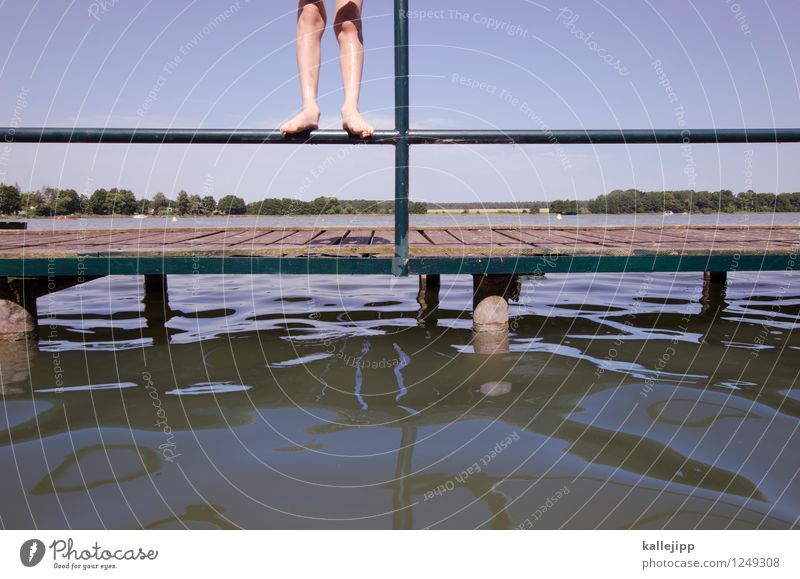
{"type": "Point", "coordinates": [715, 290]}
{"type": "Point", "coordinates": [18, 295]}
{"type": "Point", "coordinates": [490, 297]}
{"type": "Point", "coordinates": [18, 307]}
{"type": "Point", "coordinates": [155, 285]}
{"type": "Point", "coordinates": [428, 296]}
{"type": "Point", "coordinates": [716, 277]}
{"type": "Point", "coordinates": [156, 307]}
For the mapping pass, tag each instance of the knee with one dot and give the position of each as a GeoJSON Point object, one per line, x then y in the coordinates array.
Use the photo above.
{"type": "Point", "coordinates": [347, 24]}
{"type": "Point", "coordinates": [347, 29]}
{"type": "Point", "coordinates": [311, 17]}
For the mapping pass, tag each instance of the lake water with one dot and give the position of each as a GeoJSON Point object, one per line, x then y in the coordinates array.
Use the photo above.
{"type": "Point", "coordinates": [419, 220]}
{"type": "Point", "coordinates": [624, 401]}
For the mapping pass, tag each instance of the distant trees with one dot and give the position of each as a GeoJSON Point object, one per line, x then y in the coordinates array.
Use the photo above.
{"type": "Point", "coordinates": [571, 206]}
{"type": "Point", "coordinates": [208, 204]}
{"type": "Point", "coordinates": [10, 199]}
{"type": "Point", "coordinates": [97, 202]}
{"type": "Point", "coordinates": [159, 203]}
{"type": "Point", "coordinates": [682, 201]}
{"type": "Point", "coordinates": [50, 201]}
{"type": "Point", "coordinates": [327, 206]}
{"type": "Point", "coordinates": [231, 205]}
{"type": "Point", "coordinates": [67, 202]}
{"type": "Point", "coordinates": [120, 202]}
{"type": "Point", "coordinates": [182, 203]}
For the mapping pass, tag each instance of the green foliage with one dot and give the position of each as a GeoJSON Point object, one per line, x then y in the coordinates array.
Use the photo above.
{"type": "Point", "coordinates": [97, 202]}
{"type": "Point", "coordinates": [10, 199]}
{"type": "Point", "coordinates": [50, 201]}
{"type": "Point", "coordinates": [327, 206]}
{"type": "Point", "coordinates": [120, 202]}
{"type": "Point", "coordinates": [569, 207]}
{"type": "Point", "coordinates": [417, 207]}
{"type": "Point", "coordinates": [209, 204]}
{"type": "Point", "coordinates": [159, 203]}
{"type": "Point", "coordinates": [231, 205]}
{"type": "Point", "coordinates": [689, 201]}
{"type": "Point", "coordinates": [67, 202]}
{"type": "Point", "coordinates": [182, 203]}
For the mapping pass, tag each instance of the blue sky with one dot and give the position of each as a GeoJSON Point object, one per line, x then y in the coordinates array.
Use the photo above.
{"type": "Point", "coordinates": [511, 64]}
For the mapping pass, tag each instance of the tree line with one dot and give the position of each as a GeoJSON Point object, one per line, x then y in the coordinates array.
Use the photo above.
{"type": "Point", "coordinates": [683, 201]}
{"type": "Point", "coordinates": [50, 201]}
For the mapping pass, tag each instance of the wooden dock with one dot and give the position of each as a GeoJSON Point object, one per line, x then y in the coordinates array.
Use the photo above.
{"type": "Point", "coordinates": [33, 263]}
{"type": "Point", "coordinates": [451, 249]}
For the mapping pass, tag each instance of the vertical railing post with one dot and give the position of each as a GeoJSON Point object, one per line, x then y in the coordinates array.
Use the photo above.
{"type": "Point", "coordinates": [401, 154]}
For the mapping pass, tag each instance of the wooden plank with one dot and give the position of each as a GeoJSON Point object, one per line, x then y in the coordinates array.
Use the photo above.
{"type": "Point", "coordinates": [302, 237]}
{"type": "Point", "coordinates": [487, 236]}
{"type": "Point", "coordinates": [97, 243]}
{"type": "Point", "coordinates": [444, 242]}
{"type": "Point", "coordinates": [440, 237]}
{"type": "Point", "coordinates": [381, 237]}
{"type": "Point", "coordinates": [41, 238]}
{"type": "Point", "coordinates": [334, 237]}
{"type": "Point", "coordinates": [546, 238]}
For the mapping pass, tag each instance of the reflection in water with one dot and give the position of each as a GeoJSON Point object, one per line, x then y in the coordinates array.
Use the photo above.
{"type": "Point", "coordinates": [98, 465]}
{"type": "Point", "coordinates": [200, 516]}
{"type": "Point", "coordinates": [333, 402]}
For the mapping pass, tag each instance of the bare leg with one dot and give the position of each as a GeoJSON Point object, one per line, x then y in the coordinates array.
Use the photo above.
{"type": "Point", "coordinates": [347, 27]}
{"type": "Point", "coordinates": [311, 19]}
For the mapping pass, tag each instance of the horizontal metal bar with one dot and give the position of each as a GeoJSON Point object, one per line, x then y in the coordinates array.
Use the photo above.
{"type": "Point", "coordinates": [389, 137]}
{"type": "Point", "coordinates": [99, 266]}
{"type": "Point", "coordinates": [602, 136]}
{"type": "Point", "coordinates": [523, 264]}
{"type": "Point", "coordinates": [539, 264]}
{"type": "Point", "coordinates": [186, 136]}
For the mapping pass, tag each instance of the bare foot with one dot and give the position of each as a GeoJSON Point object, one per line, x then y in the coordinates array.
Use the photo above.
{"type": "Point", "coordinates": [355, 124]}
{"type": "Point", "coordinates": [305, 120]}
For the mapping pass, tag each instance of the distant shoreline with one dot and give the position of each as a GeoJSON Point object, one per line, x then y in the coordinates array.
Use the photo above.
{"type": "Point", "coordinates": [449, 212]}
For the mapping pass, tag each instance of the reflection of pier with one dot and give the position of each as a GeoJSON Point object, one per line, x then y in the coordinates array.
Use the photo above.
{"type": "Point", "coordinates": [33, 263]}
{"type": "Point", "coordinates": [476, 389]}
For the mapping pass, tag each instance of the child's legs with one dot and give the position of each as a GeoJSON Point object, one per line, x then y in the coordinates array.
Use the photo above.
{"type": "Point", "coordinates": [310, 26]}
{"type": "Point", "coordinates": [311, 18]}
{"type": "Point", "coordinates": [347, 27]}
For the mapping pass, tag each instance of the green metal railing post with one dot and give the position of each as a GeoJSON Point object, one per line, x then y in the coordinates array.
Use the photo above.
{"type": "Point", "coordinates": [401, 151]}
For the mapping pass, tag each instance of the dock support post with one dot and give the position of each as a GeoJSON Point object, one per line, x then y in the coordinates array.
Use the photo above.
{"type": "Point", "coordinates": [156, 306]}
{"type": "Point", "coordinates": [715, 277]}
{"type": "Point", "coordinates": [428, 296]}
{"type": "Point", "coordinates": [155, 284]}
{"type": "Point", "coordinates": [490, 297]}
{"type": "Point", "coordinates": [714, 292]}
{"type": "Point", "coordinates": [18, 315]}
{"type": "Point", "coordinates": [403, 514]}
{"type": "Point", "coordinates": [15, 363]}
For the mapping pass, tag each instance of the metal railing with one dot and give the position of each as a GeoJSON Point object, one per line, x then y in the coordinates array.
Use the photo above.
{"type": "Point", "coordinates": [402, 137]}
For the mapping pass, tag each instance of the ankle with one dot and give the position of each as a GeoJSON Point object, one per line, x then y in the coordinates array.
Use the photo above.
{"type": "Point", "coordinates": [349, 109]}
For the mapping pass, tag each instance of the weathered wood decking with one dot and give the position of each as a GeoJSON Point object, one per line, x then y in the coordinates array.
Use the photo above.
{"type": "Point", "coordinates": [641, 248]}
{"type": "Point", "coordinates": [423, 241]}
